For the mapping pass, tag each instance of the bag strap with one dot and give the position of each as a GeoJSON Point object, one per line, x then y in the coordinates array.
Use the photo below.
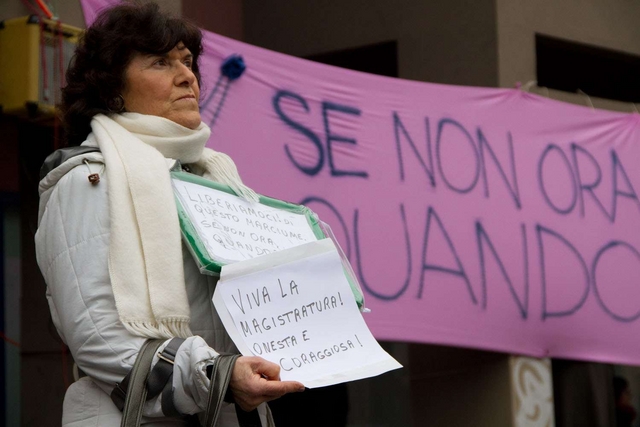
{"type": "Point", "coordinates": [137, 390]}
{"type": "Point", "coordinates": [220, 378]}
{"type": "Point", "coordinates": [160, 380]}
{"type": "Point", "coordinates": [222, 369]}
{"type": "Point", "coordinates": [270, 421]}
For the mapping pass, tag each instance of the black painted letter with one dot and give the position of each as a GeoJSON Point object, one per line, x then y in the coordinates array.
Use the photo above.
{"type": "Point", "coordinates": [309, 170]}
{"type": "Point", "coordinates": [329, 106]}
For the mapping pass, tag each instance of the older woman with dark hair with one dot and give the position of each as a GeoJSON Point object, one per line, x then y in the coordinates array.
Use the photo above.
{"type": "Point", "coordinates": [108, 242]}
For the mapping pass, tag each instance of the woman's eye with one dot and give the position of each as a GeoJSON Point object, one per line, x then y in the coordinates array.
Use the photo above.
{"type": "Point", "coordinates": [188, 63]}
{"type": "Point", "coordinates": [160, 61]}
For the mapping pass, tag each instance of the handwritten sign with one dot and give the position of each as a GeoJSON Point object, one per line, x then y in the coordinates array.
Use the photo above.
{"type": "Point", "coordinates": [233, 229]}
{"type": "Point", "coordinates": [295, 308]}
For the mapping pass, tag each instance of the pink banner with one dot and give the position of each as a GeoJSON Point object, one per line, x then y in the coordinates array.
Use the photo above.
{"type": "Point", "coordinates": [475, 217]}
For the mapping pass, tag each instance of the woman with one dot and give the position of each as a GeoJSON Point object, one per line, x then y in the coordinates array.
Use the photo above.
{"type": "Point", "coordinates": [108, 241]}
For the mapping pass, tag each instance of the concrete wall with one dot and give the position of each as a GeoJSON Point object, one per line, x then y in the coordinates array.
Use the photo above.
{"type": "Point", "coordinates": [223, 17]}
{"type": "Point", "coordinates": [445, 41]}
{"type": "Point", "coordinates": [484, 43]}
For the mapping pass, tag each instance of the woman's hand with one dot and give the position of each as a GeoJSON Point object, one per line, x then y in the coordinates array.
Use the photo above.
{"type": "Point", "coordinates": [255, 380]}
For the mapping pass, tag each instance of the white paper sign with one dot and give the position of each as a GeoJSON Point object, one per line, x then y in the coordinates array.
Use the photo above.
{"type": "Point", "coordinates": [233, 229]}
{"type": "Point", "coordinates": [295, 308]}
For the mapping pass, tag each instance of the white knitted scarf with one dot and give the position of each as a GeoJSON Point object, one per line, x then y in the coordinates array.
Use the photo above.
{"type": "Point", "coordinates": [145, 251]}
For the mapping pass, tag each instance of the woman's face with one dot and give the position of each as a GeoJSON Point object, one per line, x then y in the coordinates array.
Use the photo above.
{"type": "Point", "coordinates": [163, 85]}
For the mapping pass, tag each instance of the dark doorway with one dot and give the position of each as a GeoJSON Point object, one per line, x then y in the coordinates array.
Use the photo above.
{"type": "Point", "coordinates": [379, 58]}
{"type": "Point", "coordinates": [569, 66]}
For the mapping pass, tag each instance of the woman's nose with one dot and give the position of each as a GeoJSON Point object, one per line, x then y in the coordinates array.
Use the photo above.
{"type": "Point", "coordinates": [184, 75]}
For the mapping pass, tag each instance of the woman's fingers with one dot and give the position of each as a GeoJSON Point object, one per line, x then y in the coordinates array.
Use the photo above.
{"type": "Point", "coordinates": [255, 380]}
{"type": "Point", "coordinates": [276, 389]}
{"type": "Point", "coordinates": [267, 369]}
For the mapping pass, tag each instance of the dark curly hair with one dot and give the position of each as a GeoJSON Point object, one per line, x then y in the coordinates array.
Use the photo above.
{"type": "Point", "coordinates": [96, 74]}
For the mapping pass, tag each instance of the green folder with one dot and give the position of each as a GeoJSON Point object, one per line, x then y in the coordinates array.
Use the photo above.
{"type": "Point", "coordinates": [210, 263]}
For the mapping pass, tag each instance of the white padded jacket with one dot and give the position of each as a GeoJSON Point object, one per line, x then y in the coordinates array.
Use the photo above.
{"type": "Point", "coordinates": [72, 245]}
